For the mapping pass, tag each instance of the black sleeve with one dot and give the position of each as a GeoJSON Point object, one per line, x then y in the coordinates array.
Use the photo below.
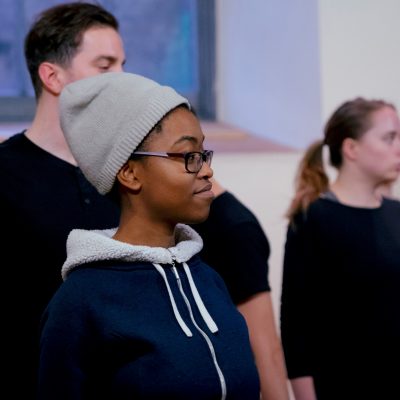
{"type": "Point", "coordinates": [245, 253]}
{"type": "Point", "coordinates": [295, 307]}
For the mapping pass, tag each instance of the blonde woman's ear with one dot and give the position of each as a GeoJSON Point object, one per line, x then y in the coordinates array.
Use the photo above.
{"type": "Point", "coordinates": [349, 149]}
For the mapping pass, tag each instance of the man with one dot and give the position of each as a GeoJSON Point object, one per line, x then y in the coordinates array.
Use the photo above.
{"type": "Point", "coordinates": [44, 196]}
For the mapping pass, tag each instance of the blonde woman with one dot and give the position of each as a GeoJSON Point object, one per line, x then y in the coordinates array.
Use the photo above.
{"type": "Point", "coordinates": [339, 314]}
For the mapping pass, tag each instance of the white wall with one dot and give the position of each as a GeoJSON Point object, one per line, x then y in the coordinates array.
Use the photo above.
{"type": "Point", "coordinates": [284, 65]}
{"type": "Point", "coordinates": [268, 68]}
{"type": "Point", "coordinates": [360, 51]}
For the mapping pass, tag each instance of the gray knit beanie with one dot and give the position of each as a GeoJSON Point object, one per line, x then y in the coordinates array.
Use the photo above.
{"type": "Point", "coordinates": [105, 118]}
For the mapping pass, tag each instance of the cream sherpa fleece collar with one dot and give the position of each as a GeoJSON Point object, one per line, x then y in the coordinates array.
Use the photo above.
{"type": "Point", "coordinates": [86, 246]}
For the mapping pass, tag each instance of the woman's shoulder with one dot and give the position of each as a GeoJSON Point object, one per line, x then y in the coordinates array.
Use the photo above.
{"type": "Point", "coordinates": [323, 204]}
{"type": "Point", "coordinates": [319, 211]}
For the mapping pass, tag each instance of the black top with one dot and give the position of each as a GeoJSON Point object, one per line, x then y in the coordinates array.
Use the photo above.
{"type": "Point", "coordinates": [42, 199]}
{"type": "Point", "coordinates": [340, 319]}
{"type": "Point", "coordinates": [236, 246]}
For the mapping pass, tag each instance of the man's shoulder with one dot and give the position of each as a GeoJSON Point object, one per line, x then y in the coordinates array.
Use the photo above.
{"type": "Point", "coordinates": [231, 210]}
{"type": "Point", "coordinates": [19, 159]}
{"type": "Point", "coordinates": [229, 217]}
{"type": "Point", "coordinates": [18, 153]}
{"type": "Point", "coordinates": [13, 145]}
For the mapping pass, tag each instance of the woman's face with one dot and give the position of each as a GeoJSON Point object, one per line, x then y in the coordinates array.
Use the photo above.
{"type": "Point", "coordinates": [168, 191]}
{"type": "Point", "coordinates": [379, 147]}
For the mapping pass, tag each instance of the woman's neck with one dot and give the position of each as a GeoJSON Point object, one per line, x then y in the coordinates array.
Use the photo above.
{"type": "Point", "coordinates": [145, 234]}
{"type": "Point", "coordinates": [356, 193]}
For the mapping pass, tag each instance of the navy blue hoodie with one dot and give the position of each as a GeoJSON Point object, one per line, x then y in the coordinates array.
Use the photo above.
{"type": "Point", "coordinates": [138, 322]}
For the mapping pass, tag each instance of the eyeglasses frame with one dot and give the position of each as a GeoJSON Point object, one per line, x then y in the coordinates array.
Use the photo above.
{"type": "Point", "coordinates": [205, 155]}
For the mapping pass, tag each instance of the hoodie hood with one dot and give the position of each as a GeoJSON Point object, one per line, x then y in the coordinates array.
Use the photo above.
{"type": "Point", "coordinates": [86, 246]}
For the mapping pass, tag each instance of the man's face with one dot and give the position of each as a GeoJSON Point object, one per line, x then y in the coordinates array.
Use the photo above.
{"type": "Point", "coordinates": [101, 51]}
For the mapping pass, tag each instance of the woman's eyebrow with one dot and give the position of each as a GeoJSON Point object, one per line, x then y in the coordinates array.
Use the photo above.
{"type": "Point", "coordinates": [189, 138]}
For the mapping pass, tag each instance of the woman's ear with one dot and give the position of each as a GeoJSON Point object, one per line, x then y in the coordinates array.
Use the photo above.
{"type": "Point", "coordinates": [128, 177]}
{"type": "Point", "coordinates": [349, 148]}
{"type": "Point", "coordinates": [50, 75]}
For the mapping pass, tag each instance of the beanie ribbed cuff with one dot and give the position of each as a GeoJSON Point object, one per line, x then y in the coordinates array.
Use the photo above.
{"type": "Point", "coordinates": [160, 104]}
{"type": "Point", "coordinates": [105, 118]}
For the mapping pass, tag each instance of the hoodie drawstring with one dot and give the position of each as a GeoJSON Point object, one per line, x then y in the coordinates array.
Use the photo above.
{"type": "Point", "coordinates": [178, 317]}
{"type": "Point", "coordinates": [212, 326]}
{"type": "Point", "coordinates": [203, 311]}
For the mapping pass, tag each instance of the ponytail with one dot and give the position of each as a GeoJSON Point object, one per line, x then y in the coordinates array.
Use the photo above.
{"type": "Point", "coordinates": [311, 180]}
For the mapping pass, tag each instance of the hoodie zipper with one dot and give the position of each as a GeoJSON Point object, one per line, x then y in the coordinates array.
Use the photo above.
{"type": "Point", "coordinates": [205, 336]}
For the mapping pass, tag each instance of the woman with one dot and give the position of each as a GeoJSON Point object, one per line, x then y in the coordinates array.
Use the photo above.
{"type": "Point", "coordinates": [139, 315]}
{"type": "Point", "coordinates": [340, 296]}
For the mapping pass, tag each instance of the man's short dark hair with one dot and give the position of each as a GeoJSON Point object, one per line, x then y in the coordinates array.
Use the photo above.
{"type": "Point", "coordinates": [57, 33]}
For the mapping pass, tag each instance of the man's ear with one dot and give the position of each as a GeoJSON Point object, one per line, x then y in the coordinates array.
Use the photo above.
{"type": "Point", "coordinates": [128, 177]}
{"type": "Point", "coordinates": [350, 148]}
{"type": "Point", "coordinates": [51, 76]}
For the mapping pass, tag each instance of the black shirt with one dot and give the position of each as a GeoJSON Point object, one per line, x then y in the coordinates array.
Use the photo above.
{"type": "Point", "coordinates": [42, 198]}
{"type": "Point", "coordinates": [340, 320]}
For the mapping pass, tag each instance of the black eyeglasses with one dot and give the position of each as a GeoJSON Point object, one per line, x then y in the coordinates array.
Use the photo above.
{"type": "Point", "coordinates": [193, 159]}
